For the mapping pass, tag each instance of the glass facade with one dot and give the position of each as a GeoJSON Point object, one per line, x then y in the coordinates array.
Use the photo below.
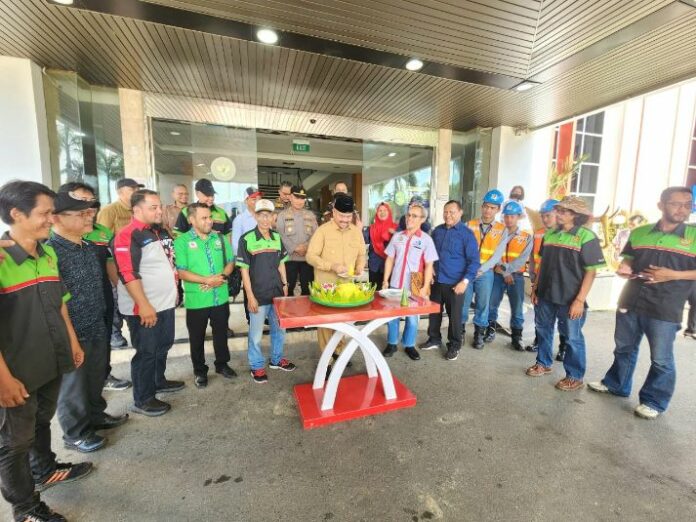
{"type": "Point", "coordinates": [84, 129]}
{"type": "Point", "coordinates": [469, 169]}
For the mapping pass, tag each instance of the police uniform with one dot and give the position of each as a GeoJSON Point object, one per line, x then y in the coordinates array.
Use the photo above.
{"type": "Point", "coordinates": [296, 227]}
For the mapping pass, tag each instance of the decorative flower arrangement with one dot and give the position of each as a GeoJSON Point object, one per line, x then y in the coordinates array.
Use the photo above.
{"type": "Point", "coordinates": [342, 294]}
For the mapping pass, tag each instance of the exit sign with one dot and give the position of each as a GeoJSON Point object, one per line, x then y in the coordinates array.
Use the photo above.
{"type": "Point", "coordinates": [300, 146]}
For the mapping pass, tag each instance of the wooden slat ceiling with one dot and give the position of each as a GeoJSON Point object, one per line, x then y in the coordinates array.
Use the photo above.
{"type": "Point", "coordinates": [494, 35]}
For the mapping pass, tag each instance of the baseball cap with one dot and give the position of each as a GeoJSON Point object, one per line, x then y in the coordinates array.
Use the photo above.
{"type": "Point", "coordinates": [298, 191]}
{"type": "Point", "coordinates": [128, 182]}
{"type": "Point", "coordinates": [264, 205]}
{"type": "Point", "coordinates": [205, 186]}
{"type": "Point", "coordinates": [66, 201]}
{"type": "Point", "coordinates": [253, 192]}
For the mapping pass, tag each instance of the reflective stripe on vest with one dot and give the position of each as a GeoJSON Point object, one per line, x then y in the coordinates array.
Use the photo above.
{"type": "Point", "coordinates": [490, 240]}
{"type": "Point", "coordinates": [515, 246]}
{"type": "Point", "coordinates": [538, 237]}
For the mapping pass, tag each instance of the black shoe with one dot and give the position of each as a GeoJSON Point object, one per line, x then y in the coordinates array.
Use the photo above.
{"type": "Point", "coordinates": [170, 386]}
{"type": "Point", "coordinates": [430, 344]}
{"type": "Point", "coordinates": [517, 339]}
{"type": "Point", "coordinates": [489, 334]}
{"type": "Point", "coordinates": [412, 353]}
{"type": "Point", "coordinates": [152, 408]}
{"type": "Point", "coordinates": [111, 421]}
{"type": "Point", "coordinates": [477, 342]}
{"type": "Point", "coordinates": [328, 372]}
{"type": "Point", "coordinates": [226, 372]}
{"type": "Point", "coordinates": [90, 443]}
{"type": "Point", "coordinates": [452, 354]}
{"type": "Point", "coordinates": [561, 354]}
{"type": "Point", "coordinates": [200, 381]}
{"type": "Point", "coordinates": [463, 330]}
{"type": "Point", "coordinates": [532, 347]}
{"type": "Point", "coordinates": [42, 513]}
{"type": "Point", "coordinates": [64, 472]}
{"type": "Point", "coordinates": [389, 350]}
{"type": "Point", "coordinates": [116, 384]}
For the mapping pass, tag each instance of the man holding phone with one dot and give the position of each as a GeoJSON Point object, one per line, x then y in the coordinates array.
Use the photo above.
{"type": "Point", "coordinates": [659, 261]}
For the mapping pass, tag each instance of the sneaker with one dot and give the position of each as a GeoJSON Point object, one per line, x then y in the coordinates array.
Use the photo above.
{"type": "Point", "coordinates": [90, 443]}
{"type": "Point", "coordinates": [42, 513]}
{"type": "Point", "coordinates": [65, 472]}
{"type": "Point", "coordinates": [537, 370]}
{"type": "Point", "coordinates": [118, 342]}
{"type": "Point", "coordinates": [226, 372]}
{"type": "Point", "coordinates": [170, 386]}
{"type": "Point", "coordinates": [646, 412]}
{"type": "Point", "coordinates": [452, 355]}
{"type": "Point", "coordinates": [115, 384]}
{"type": "Point", "coordinates": [598, 386]}
{"type": "Point", "coordinates": [430, 344]}
{"type": "Point", "coordinates": [259, 376]}
{"type": "Point", "coordinates": [152, 408]}
{"type": "Point", "coordinates": [284, 365]}
{"type": "Point", "coordinates": [569, 384]}
{"type": "Point", "coordinates": [531, 348]}
{"type": "Point", "coordinates": [110, 421]}
{"type": "Point", "coordinates": [389, 350]}
{"type": "Point", "coordinates": [200, 381]}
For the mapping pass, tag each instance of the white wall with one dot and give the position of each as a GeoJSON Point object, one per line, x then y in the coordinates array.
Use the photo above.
{"type": "Point", "coordinates": [24, 151]}
{"type": "Point", "coordinates": [522, 160]}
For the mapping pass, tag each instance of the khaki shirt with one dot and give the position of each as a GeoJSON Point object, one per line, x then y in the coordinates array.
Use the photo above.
{"type": "Point", "coordinates": [171, 214]}
{"type": "Point", "coordinates": [114, 216]}
{"type": "Point", "coordinates": [296, 227]}
{"type": "Point", "coordinates": [330, 245]}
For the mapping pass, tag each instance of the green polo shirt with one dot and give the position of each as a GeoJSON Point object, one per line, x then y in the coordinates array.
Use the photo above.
{"type": "Point", "coordinates": [262, 257]}
{"type": "Point", "coordinates": [33, 337]}
{"type": "Point", "coordinates": [676, 250]}
{"type": "Point", "coordinates": [204, 257]}
{"type": "Point", "coordinates": [221, 222]}
{"type": "Point", "coordinates": [565, 257]}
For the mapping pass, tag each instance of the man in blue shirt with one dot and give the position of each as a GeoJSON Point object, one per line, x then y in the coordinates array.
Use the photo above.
{"type": "Point", "coordinates": [459, 262]}
{"type": "Point", "coordinates": [243, 223]}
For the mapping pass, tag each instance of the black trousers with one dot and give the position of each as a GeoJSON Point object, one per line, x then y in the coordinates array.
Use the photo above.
{"type": "Point", "coordinates": [80, 403]}
{"type": "Point", "coordinates": [377, 278]}
{"type": "Point", "coordinates": [691, 323]}
{"type": "Point", "coordinates": [302, 270]}
{"type": "Point", "coordinates": [196, 323]}
{"type": "Point", "coordinates": [25, 447]}
{"type": "Point", "coordinates": [452, 303]}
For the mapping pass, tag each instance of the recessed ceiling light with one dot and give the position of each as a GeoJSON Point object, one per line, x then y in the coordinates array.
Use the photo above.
{"type": "Point", "coordinates": [391, 154]}
{"type": "Point", "coordinates": [200, 164]}
{"type": "Point", "coordinates": [267, 36]}
{"type": "Point", "coordinates": [525, 86]}
{"type": "Point", "coordinates": [63, 2]}
{"type": "Point", "coordinates": [175, 133]}
{"type": "Point", "coordinates": [414, 64]}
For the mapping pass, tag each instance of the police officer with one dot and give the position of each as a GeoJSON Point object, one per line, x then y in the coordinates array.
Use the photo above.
{"type": "Point", "coordinates": [491, 237]}
{"type": "Point", "coordinates": [296, 225]}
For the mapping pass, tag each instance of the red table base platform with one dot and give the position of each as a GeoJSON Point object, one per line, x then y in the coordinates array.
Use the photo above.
{"type": "Point", "coordinates": [358, 396]}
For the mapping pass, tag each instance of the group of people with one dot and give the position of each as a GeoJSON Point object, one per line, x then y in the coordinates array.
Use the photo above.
{"type": "Point", "coordinates": [72, 271]}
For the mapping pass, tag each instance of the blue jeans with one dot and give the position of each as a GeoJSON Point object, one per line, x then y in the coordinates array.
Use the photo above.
{"type": "Point", "coordinates": [659, 384]}
{"type": "Point", "coordinates": [256, 320]}
{"type": "Point", "coordinates": [482, 287]}
{"type": "Point", "coordinates": [515, 296]}
{"type": "Point", "coordinates": [545, 316]}
{"type": "Point", "coordinates": [150, 359]}
{"type": "Point", "coordinates": [408, 340]}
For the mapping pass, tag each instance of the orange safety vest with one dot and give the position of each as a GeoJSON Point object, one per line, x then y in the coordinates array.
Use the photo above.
{"type": "Point", "coordinates": [515, 246]}
{"type": "Point", "coordinates": [488, 242]}
{"type": "Point", "coordinates": [538, 238]}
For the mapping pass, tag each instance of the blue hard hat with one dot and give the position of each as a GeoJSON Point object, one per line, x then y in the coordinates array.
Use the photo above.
{"type": "Point", "coordinates": [548, 205]}
{"type": "Point", "coordinates": [494, 197]}
{"type": "Point", "coordinates": [512, 208]}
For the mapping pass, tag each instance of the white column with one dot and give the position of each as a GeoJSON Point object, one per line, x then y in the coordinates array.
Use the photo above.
{"type": "Point", "coordinates": [136, 143]}
{"type": "Point", "coordinates": [23, 127]}
{"type": "Point", "coordinates": [442, 176]}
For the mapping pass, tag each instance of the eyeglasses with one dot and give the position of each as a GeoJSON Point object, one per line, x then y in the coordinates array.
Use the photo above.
{"type": "Point", "coordinates": [676, 204]}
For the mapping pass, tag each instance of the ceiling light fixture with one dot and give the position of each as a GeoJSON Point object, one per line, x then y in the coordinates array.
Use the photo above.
{"type": "Point", "coordinates": [525, 86]}
{"type": "Point", "coordinates": [414, 64]}
{"type": "Point", "coordinates": [175, 133]}
{"type": "Point", "coordinates": [63, 2]}
{"type": "Point", "coordinates": [391, 154]}
{"type": "Point", "coordinates": [267, 36]}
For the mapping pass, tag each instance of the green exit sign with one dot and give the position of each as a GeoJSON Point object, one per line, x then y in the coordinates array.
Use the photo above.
{"type": "Point", "coordinates": [300, 146]}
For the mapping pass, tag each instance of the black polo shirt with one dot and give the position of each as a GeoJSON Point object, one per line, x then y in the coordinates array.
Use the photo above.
{"type": "Point", "coordinates": [80, 269]}
{"type": "Point", "coordinates": [33, 337]}
{"type": "Point", "coordinates": [648, 245]}
{"type": "Point", "coordinates": [565, 257]}
{"type": "Point", "coordinates": [262, 257]}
